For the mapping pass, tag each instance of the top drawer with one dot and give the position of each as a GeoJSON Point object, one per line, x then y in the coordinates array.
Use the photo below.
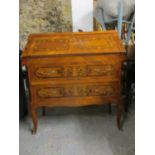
{"type": "Point", "coordinates": [74, 68]}
{"type": "Point", "coordinates": [54, 71]}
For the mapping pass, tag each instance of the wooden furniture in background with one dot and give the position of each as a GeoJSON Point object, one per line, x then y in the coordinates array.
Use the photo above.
{"type": "Point", "coordinates": [74, 69]}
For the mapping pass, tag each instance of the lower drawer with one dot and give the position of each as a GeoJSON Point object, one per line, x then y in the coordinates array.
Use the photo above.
{"type": "Point", "coordinates": [73, 92]}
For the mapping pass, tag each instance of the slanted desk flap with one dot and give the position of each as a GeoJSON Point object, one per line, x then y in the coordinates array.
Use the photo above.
{"type": "Point", "coordinates": [71, 43]}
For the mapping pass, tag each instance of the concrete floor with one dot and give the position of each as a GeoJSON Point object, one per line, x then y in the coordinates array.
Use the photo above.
{"type": "Point", "coordinates": [78, 131]}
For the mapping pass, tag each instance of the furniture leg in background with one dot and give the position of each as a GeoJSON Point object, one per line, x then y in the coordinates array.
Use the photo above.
{"type": "Point", "coordinates": [119, 113]}
{"type": "Point", "coordinates": [43, 111]}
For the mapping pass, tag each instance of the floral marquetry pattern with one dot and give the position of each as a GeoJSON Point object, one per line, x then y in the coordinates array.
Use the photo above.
{"type": "Point", "coordinates": [47, 72]}
{"type": "Point", "coordinates": [52, 44]}
{"type": "Point", "coordinates": [75, 71]}
{"type": "Point", "coordinates": [50, 92]}
{"type": "Point", "coordinates": [77, 91]}
{"type": "Point", "coordinates": [93, 42]}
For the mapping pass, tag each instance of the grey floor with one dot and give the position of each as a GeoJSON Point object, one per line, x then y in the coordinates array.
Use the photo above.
{"type": "Point", "coordinates": [79, 131]}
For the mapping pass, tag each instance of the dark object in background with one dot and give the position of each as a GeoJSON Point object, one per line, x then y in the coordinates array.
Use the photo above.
{"type": "Point", "coordinates": [129, 79]}
{"type": "Point", "coordinates": [23, 110]}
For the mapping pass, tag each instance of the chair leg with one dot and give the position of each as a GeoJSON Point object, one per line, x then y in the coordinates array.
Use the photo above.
{"type": "Point", "coordinates": [129, 31]}
{"type": "Point", "coordinates": [102, 15]}
{"type": "Point", "coordinates": [120, 16]}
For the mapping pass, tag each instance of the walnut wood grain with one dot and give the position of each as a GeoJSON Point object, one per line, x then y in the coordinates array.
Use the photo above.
{"type": "Point", "coordinates": [74, 69]}
{"type": "Point", "coordinates": [73, 43]}
{"type": "Point", "coordinates": [76, 91]}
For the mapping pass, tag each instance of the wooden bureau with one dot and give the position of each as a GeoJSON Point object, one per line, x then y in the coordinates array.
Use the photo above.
{"type": "Point", "coordinates": [74, 69]}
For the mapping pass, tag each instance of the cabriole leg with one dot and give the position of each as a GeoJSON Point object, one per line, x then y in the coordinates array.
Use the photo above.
{"type": "Point", "coordinates": [34, 120]}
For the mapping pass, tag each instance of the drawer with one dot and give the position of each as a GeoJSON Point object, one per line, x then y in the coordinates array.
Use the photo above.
{"type": "Point", "coordinates": [55, 73]}
{"type": "Point", "coordinates": [75, 94]}
{"type": "Point", "coordinates": [75, 68]}
{"type": "Point", "coordinates": [44, 71]}
{"type": "Point", "coordinates": [76, 90]}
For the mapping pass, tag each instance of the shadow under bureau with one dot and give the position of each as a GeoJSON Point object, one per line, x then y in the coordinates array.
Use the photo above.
{"type": "Point", "coordinates": [74, 69]}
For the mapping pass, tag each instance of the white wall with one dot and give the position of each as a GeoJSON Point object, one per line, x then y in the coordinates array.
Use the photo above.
{"type": "Point", "coordinates": [82, 15]}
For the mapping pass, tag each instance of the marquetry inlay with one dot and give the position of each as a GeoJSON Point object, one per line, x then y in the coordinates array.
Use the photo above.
{"type": "Point", "coordinates": [78, 42]}
{"type": "Point", "coordinates": [75, 91]}
{"type": "Point", "coordinates": [51, 44]}
{"type": "Point", "coordinates": [75, 71]}
{"type": "Point", "coordinates": [93, 42]}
